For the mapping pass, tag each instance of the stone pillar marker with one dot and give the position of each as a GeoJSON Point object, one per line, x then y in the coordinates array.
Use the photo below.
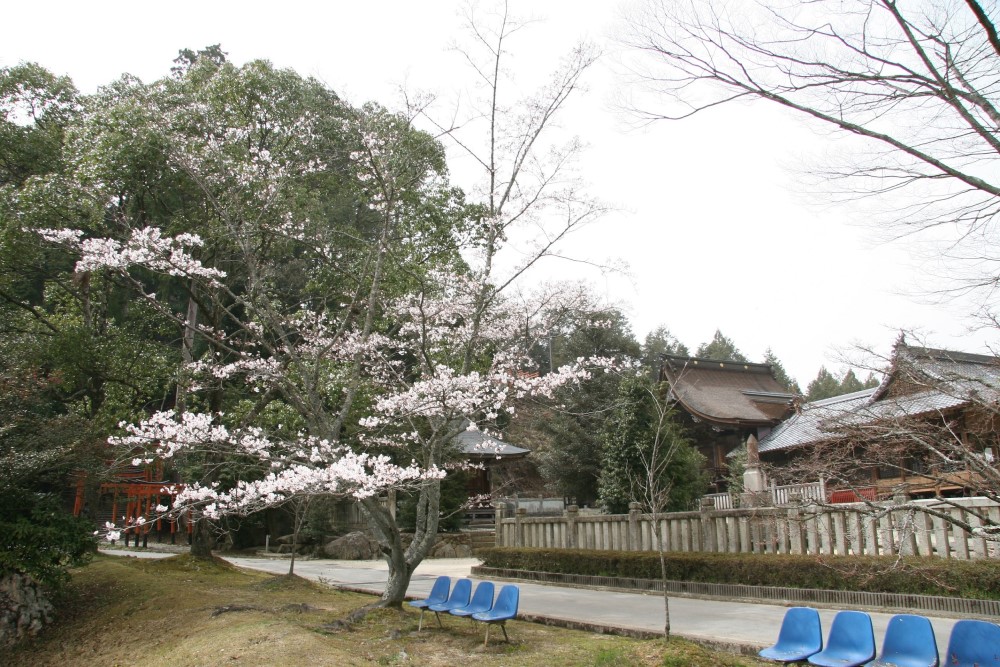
{"type": "Point", "coordinates": [754, 481]}
{"type": "Point", "coordinates": [906, 538]}
{"type": "Point", "coordinates": [499, 514]}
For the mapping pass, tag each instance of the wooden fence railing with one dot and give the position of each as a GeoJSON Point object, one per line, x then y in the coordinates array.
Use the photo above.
{"type": "Point", "coordinates": [779, 495]}
{"type": "Point", "coordinates": [800, 528]}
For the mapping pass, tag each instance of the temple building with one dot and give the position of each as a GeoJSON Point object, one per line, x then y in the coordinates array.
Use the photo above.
{"type": "Point", "coordinates": [931, 429]}
{"type": "Point", "coordinates": [721, 403]}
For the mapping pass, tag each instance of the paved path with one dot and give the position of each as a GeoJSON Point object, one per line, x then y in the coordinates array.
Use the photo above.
{"type": "Point", "coordinates": [716, 621]}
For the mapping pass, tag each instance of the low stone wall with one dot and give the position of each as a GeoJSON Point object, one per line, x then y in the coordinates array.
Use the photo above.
{"type": "Point", "coordinates": [24, 609]}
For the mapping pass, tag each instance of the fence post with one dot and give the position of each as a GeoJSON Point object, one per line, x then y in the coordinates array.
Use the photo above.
{"type": "Point", "coordinates": [903, 521]}
{"type": "Point", "coordinates": [797, 543]}
{"type": "Point", "coordinates": [707, 542]}
{"type": "Point", "coordinates": [498, 517]}
{"type": "Point", "coordinates": [572, 512]}
{"type": "Point", "coordinates": [519, 515]}
{"type": "Point", "coordinates": [634, 536]}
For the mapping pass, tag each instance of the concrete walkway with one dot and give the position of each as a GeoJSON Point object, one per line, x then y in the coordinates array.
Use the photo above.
{"type": "Point", "coordinates": [738, 625]}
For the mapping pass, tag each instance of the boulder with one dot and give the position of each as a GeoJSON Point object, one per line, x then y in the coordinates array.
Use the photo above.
{"type": "Point", "coordinates": [287, 548]}
{"type": "Point", "coordinates": [353, 546]}
{"type": "Point", "coordinates": [451, 546]}
{"type": "Point", "coordinates": [24, 609]}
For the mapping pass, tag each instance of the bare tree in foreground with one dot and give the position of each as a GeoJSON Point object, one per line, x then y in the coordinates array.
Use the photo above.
{"type": "Point", "coordinates": [525, 176]}
{"type": "Point", "coordinates": [919, 82]}
{"type": "Point", "coordinates": [644, 447]}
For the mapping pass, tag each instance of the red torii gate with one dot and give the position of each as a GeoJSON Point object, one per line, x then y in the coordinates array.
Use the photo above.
{"type": "Point", "coordinates": [137, 490]}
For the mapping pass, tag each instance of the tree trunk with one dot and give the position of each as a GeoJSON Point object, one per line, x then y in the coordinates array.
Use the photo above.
{"type": "Point", "coordinates": [666, 598]}
{"type": "Point", "coordinates": [299, 507]}
{"type": "Point", "coordinates": [187, 351]}
{"type": "Point", "coordinates": [401, 563]}
{"type": "Point", "coordinates": [657, 535]}
{"type": "Point", "coordinates": [202, 539]}
{"type": "Point", "coordinates": [399, 579]}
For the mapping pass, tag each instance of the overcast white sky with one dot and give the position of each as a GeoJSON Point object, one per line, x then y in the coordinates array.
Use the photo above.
{"type": "Point", "coordinates": [711, 219]}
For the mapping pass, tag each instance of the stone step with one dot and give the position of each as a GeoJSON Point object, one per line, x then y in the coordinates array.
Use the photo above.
{"type": "Point", "coordinates": [482, 540]}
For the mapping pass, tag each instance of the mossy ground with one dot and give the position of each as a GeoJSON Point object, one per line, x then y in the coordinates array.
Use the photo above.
{"type": "Point", "coordinates": [180, 612]}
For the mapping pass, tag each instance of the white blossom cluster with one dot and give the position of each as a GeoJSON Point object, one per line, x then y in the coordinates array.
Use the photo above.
{"type": "Point", "coordinates": [353, 475]}
{"type": "Point", "coordinates": [167, 433]}
{"type": "Point", "coordinates": [251, 366]}
{"type": "Point", "coordinates": [307, 465]}
{"type": "Point", "coordinates": [146, 247]}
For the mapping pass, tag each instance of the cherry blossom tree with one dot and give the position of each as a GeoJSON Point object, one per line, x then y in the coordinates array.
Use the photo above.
{"type": "Point", "coordinates": [339, 338]}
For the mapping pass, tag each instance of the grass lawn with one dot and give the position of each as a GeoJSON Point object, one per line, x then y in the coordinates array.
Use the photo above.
{"type": "Point", "coordinates": [181, 612]}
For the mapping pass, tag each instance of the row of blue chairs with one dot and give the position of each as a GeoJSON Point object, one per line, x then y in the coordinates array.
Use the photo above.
{"type": "Point", "coordinates": [461, 601]}
{"type": "Point", "coordinates": [909, 642]}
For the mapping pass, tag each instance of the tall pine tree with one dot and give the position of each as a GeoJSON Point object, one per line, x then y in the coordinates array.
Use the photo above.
{"type": "Point", "coordinates": [658, 342]}
{"type": "Point", "coordinates": [827, 385]}
{"type": "Point", "coordinates": [720, 348]}
{"type": "Point", "coordinates": [780, 374]}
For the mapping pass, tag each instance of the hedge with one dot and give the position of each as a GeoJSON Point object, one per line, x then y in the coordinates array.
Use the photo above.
{"type": "Point", "coordinates": [973, 579]}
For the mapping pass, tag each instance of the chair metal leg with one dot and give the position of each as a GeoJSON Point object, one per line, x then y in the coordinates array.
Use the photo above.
{"type": "Point", "coordinates": [420, 622]}
{"type": "Point", "coordinates": [503, 626]}
{"type": "Point", "coordinates": [487, 640]}
{"type": "Point", "coordinates": [438, 617]}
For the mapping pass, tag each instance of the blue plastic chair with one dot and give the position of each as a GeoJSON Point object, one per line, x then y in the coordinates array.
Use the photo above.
{"type": "Point", "coordinates": [851, 642]}
{"type": "Point", "coordinates": [482, 600]}
{"type": "Point", "coordinates": [974, 644]}
{"type": "Point", "coordinates": [439, 594]}
{"type": "Point", "coordinates": [800, 636]}
{"type": "Point", "coordinates": [909, 642]}
{"type": "Point", "coordinates": [459, 598]}
{"type": "Point", "coordinates": [504, 609]}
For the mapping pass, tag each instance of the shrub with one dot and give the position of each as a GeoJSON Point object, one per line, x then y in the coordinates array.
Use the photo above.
{"type": "Point", "coordinates": [40, 539]}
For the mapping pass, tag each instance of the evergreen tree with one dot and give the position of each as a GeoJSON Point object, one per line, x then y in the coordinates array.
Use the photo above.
{"type": "Point", "coordinates": [639, 430]}
{"type": "Point", "coordinates": [720, 348]}
{"type": "Point", "coordinates": [871, 381]}
{"type": "Point", "coordinates": [35, 108]}
{"type": "Point", "coordinates": [780, 374]}
{"type": "Point", "coordinates": [825, 385]}
{"type": "Point", "coordinates": [850, 382]}
{"type": "Point", "coordinates": [566, 435]}
{"type": "Point", "coordinates": [658, 342]}
{"type": "Point", "coordinates": [75, 357]}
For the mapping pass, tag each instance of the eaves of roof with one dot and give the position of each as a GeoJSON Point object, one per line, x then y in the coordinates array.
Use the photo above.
{"type": "Point", "coordinates": [477, 445]}
{"type": "Point", "coordinates": [806, 425]}
{"type": "Point", "coordinates": [726, 393]}
{"type": "Point", "coordinates": [818, 421]}
{"type": "Point", "coordinates": [937, 382]}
